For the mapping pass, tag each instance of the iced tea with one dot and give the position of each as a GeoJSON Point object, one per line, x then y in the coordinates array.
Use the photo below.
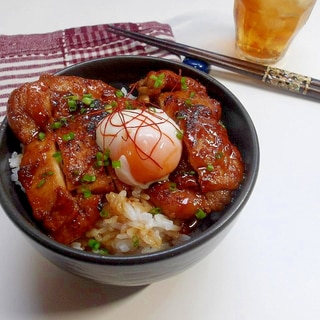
{"type": "Point", "coordinates": [265, 28]}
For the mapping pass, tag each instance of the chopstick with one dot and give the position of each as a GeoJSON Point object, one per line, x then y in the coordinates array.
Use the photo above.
{"type": "Point", "coordinates": [274, 77]}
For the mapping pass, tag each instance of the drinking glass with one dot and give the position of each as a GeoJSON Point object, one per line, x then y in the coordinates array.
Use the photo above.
{"type": "Point", "coordinates": [265, 28]}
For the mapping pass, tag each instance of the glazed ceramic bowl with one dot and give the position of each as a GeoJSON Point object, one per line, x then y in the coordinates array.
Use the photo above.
{"type": "Point", "coordinates": [144, 268]}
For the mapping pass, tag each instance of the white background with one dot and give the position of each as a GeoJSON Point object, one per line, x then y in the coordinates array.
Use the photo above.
{"type": "Point", "coordinates": [268, 267]}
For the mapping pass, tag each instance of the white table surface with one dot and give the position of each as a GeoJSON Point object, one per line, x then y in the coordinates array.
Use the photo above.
{"type": "Point", "coordinates": [268, 267]}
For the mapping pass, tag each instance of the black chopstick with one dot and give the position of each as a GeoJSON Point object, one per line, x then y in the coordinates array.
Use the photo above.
{"type": "Point", "coordinates": [275, 77]}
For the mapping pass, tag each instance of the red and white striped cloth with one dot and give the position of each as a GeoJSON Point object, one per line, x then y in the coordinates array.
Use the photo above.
{"type": "Point", "coordinates": [23, 58]}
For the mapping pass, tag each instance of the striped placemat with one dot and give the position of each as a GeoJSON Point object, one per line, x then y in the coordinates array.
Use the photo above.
{"type": "Point", "coordinates": [23, 58]}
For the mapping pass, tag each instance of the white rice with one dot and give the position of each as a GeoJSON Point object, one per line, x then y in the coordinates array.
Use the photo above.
{"type": "Point", "coordinates": [14, 163]}
{"type": "Point", "coordinates": [131, 228]}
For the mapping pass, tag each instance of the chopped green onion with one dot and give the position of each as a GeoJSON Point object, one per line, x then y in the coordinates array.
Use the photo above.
{"type": "Point", "coordinates": [135, 241]}
{"type": "Point", "coordinates": [106, 163]}
{"type": "Point", "coordinates": [63, 121]}
{"type": "Point", "coordinates": [116, 164]}
{"type": "Point", "coordinates": [87, 99]}
{"type": "Point", "coordinates": [172, 186]}
{"type": "Point", "coordinates": [158, 80]}
{"type": "Point", "coordinates": [56, 125]}
{"type": "Point", "coordinates": [44, 178]}
{"type": "Point", "coordinates": [108, 108]}
{"type": "Point", "coordinates": [210, 167]}
{"type": "Point", "coordinates": [41, 136]}
{"type": "Point", "coordinates": [200, 214]}
{"type": "Point", "coordinates": [128, 105]}
{"type": "Point", "coordinates": [219, 155]}
{"type": "Point", "coordinates": [179, 134]}
{"type": "Point", "coordinates": [155, 210]}
{"type": "Point", "coordinates": [72, 97]}
{"type": "Point", "coordinates": [114, 104]}
{"type": "Point", "coordinates": [192, 94]}
{"type": "Point", "coordinates": [83, 110]}
{"type": "Point", "coordinates": [119, 94]}
{"type": "Point", "coordinates": [102, 251]}
{"type": "Point", "coordinates": [75, 172]}
{"type": "Point", "coordinates": [86, 193]}
{"type": "Point", "coordinates": [68, 136]}
{"type": "Point", "coordinates": [104, 213]}
{"type": "Point", "coordinates": [99, 159]}
{"type": "Point", "coordinates": [94, 244]}
{"type": "Point", "coordinates": [72, 104]}
{"type": "Point", "coordinates": [102, 159]}
{"type": "Point", "coordinates": [88, 178]}
{"type": "Point", "coordinates": [41, 183]}
{"type": "Point", "coordinates": [57, 155]}
{"type": "Point", "coordinates": [184, 85]}
{"type": "Point", "coordinates": [188, 103]}
{"type": "Point", "coordinates": [99, 155]}
{"type": "Point", "coordinates": [106, 154]}
{"type": "Point", "coordinates": [99, 163]}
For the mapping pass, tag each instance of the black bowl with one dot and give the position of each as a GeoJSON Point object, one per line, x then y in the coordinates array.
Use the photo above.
{"type": "Point", "coordinates": [144, 268]}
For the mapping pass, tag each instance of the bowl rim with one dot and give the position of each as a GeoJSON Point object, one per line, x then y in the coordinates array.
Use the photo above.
{"type": "Point", "coordinates": [233, 210]}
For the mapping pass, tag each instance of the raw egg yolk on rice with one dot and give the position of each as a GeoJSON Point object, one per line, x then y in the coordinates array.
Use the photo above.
{"type": "Point", "coordinates": [146, 144]}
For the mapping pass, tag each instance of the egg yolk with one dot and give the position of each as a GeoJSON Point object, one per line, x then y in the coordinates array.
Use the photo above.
{"type": "Point", "coordinates": [147, 144]}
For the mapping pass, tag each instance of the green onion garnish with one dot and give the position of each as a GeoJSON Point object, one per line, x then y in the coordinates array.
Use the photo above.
{"type": "Point", "coordinates": [179, 134]}
{"type": "Point", "coordinates": [172, 186]}
{"type": "Point", "coordinates": [200, 214]}
{"type": "Point", "coordinates": [56, 125]}
{"type": "Point", "coordinates": [72, 104]}
{"type": "Point", "coordinates": [119, 94]}
{"type": "Point", "coordinates": [57, 155]}
{"type": "Point", "coordinates": [155, 210]}
{"type": "Point", "coordinates": [219, 155]}
{"type": "Point", "coordinates": [102, 159]}
{"type": "Point", "coordinates": [135, 241]}
{"type": "Point", "coordinates": [158, 80]}
{"type": "Point", "coordinates": [41, 183]}
{"type": "Point", "coordinates": [116, 164]}
{"type": "Point", "coordinates": [210, 167]}
{"type": "Point", "coordinates": [86, 193]}
{"type": "Point", "coordinates": [128, 105]}
{"type": "Point", "coordinates": [94, 244]}
{"type": "Point", "coordinates": [104, 213]}
{"type": "Point", "coordinates": [108, 108]}
{"type": "Point", "coordinates": [102, 251]}
{"type": "Point", "coordinates": [188, 103]}
{"type": "Point", "coordinates": [184, 85]}
{"type": "Point", "coordinates": [87, 99]}
{"type": "Point", "coordinates": [83, 110]}
{"type": "Point", "coordinates": [68, 136]}
{"type": "Point", "coordinates": [88, 178]}
{"type": "Point", "coordinates": [44, 178]}
{"type": "Point", "coordinates": [41, 136]}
